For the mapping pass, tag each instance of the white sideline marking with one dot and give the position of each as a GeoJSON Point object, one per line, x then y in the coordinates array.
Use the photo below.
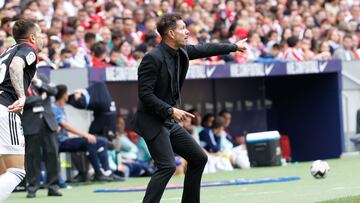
{"type": "Point", "coordinates": [344, 188]}
{"type": "Point", "coordinates": [338, 188]}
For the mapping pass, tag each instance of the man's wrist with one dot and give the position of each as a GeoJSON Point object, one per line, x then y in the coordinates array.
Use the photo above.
{"type": "Point", "coordinates": [170, 111]}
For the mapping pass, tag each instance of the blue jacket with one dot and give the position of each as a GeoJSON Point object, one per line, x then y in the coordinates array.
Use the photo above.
{"type": "Point", "coordinates": [209, 140]}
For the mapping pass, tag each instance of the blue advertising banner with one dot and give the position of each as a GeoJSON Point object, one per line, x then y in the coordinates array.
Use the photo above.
{"type": "Point", "coordinates": [227, 70]}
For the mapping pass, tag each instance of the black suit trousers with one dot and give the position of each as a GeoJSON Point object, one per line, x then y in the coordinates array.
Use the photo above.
{"type": "Point", "coordinates": [37, 146]}
{"type": "Point", "coordinates": [175, 139]}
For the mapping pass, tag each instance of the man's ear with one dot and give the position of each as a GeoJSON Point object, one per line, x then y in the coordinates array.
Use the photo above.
{"type": "Point", "coordinates": [32, 38]}
{"type": "Point", "coordinates": [171, 34]}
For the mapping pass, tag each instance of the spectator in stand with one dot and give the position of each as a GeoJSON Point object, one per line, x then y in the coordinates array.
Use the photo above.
{"type": "Point", "coordinates": [204, 36]}
{"type": "Point", "coordinates": [80, 37]}
{"type": "Point", "coordinates": [324, 51]}
{"type": "Point", "coordinates": [273, 56]}
{"type": "Point", "coordinates": [346, 50]}
{"type": "Point", "coordinates": [5, 25]}
{"type": "Point", "coordinates": [116, 39]}
{"type": "Point", "coordinates": [333, 38]}
{"type": "Point", "coordinates": [105, 37]}
{"type": "Point", "coordinates": [65, 57]}
{"type": "Point", "coordinates": [191, 26]}
{"type": "Point", "coordinates": [78, 57]}
{"type": "Point", "coordinates": [126, 59]}
{"type": "Point", "coordinates": [90, 40]}
{"type": "Point", "coordinates": [272, 21]}
{"type": "Point", "coordinates": [56, 26]}
{"type": "Point", "coordinates": [293, 52]}
{"type": "Point", "coordinates": [129, 32]}
{"type": "Point", "coordinates": [306, 49]}
{"type": "Point", "coordinates": [98, 56]}
{"type": "Point", "coordinates": [115, 59]}
{"type": "Point", "coordinates": [139, 18]}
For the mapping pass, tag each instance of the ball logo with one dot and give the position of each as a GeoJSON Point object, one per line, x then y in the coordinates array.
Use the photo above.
{"type": "Point", "coordinates": [30, 58]}
{"type": "Point", "coordinates": [319, 169]}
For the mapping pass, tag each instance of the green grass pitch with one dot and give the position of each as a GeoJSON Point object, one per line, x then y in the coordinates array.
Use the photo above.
{"type": "Point", "coordinates": [342, 185]}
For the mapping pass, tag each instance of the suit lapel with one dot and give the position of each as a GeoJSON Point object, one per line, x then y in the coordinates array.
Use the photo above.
{"type": "Point", "coordinates": [184, 67]}
{"type": "Point", "coordinates": [167, 65]}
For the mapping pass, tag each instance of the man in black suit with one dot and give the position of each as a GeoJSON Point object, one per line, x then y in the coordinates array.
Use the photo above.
{"type": "Point", "coordinates": [160, 76]}
{"type": "Point", "coordinates": [40, 130]}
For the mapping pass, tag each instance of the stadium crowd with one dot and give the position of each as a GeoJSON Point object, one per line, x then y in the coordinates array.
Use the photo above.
{"type": "Point", "coordinates": [101, 33]}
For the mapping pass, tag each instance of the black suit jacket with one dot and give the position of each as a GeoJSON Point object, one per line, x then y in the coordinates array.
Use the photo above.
{"type": "Point", "coordinates": [31, 118]}
{"type": "Point", "coordinates": [155, 81]}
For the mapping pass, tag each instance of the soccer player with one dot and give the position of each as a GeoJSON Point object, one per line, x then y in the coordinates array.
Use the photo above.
{"type": "Point", "coordinates": [17, 68]}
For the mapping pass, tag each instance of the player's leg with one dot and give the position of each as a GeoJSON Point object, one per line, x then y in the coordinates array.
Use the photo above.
{"type": "Point", "coordinates": [2, 166]}
{"type": "Point", "coordinates": [14, 174]}
{"type": "Point", "coordinates": [163, 155]}
{"type": "Point", "coordinates": [185, 146]}
{"type": "Point", "coordinates": [12, 152]}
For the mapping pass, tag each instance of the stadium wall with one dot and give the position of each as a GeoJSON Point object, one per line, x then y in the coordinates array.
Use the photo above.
{"type": "Point", "coordinates": [303, 100]}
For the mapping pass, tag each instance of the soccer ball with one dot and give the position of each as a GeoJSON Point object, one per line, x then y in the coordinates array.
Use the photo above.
{"type": "Point", "coordinates": [319, 169]}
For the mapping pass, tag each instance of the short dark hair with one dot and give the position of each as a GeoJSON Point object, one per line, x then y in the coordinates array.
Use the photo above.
{"type": "Point", "coordinates": [218, 122]}
{"type": "Point", "coordinates": [89, 36]}
{"type": "Point", "coordinates": [224, 111]}
{"type": "Point", "coordinates": [206, 118]}
{"type": "Point", "coordinates": [98, 49]}
{"type": "Point", "coordinates": [292, 41]}
{"type": "Point", "coordinates": [6, 20]}
{"type": "Point", "coordinates": [167, 22]}
{"type": "Point", "coordinates": [109, 5]}
{"type": "Point", "coordinates": [65, 51]}
{"type": "Point", "coordinates": [22, 28]}
{"type": "Point", "coordinates": [276, 46]}
{"type": "Point", "coordinates": [116, 34]}
{"type": "Point", "coordinates": [61, 91]}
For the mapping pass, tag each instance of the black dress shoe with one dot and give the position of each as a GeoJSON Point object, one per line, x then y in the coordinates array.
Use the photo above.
{"type": "Point", "coordinates": [31, 195]}
{"type": "Point", "coordinates": [55, 193]}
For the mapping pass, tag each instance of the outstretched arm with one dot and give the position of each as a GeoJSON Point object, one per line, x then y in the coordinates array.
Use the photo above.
{"type": "Point", "coordinates": [214, 49]}
{"type": "Point", "coordinates": [16, 70]}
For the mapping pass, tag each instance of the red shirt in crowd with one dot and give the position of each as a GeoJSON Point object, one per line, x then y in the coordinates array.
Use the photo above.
{"type": "Point", "coordinates": [98, 63]}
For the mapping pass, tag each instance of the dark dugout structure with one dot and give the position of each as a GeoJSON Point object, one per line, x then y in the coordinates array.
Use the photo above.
{"type": "Point", "coordinates": [299, 99]}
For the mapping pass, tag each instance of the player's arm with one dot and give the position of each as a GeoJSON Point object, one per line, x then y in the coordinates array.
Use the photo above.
{"type": "Point", "coordinates": [16, 70]}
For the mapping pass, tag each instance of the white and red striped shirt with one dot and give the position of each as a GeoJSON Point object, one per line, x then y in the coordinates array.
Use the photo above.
{"type": "Point", "coordinates": [292, 54]}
